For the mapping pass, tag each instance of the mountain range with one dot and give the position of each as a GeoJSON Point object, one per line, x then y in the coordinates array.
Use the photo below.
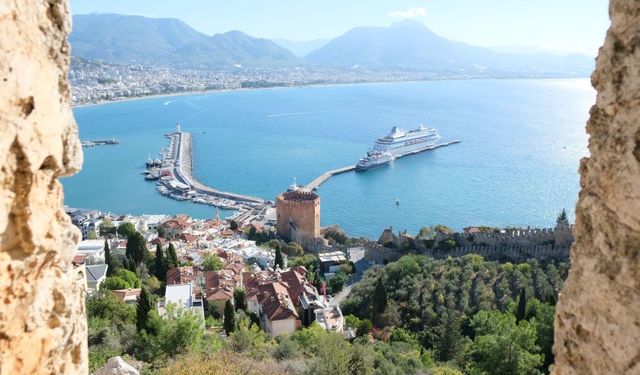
{"type": "Point", "coordinates": [407, 45]}
{"type": "Point", "coordinates": [124, 39]}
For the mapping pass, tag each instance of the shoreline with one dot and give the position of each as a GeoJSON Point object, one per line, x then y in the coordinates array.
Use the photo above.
{"type": "Point", "coordinates": [240, 89]}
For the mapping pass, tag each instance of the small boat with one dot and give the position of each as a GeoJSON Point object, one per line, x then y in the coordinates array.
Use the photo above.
{"type": "Point", "coordinates": [397, 202]}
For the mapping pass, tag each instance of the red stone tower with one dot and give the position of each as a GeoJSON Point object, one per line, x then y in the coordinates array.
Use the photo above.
{"type": "Point", "coordinates": [298, 215]}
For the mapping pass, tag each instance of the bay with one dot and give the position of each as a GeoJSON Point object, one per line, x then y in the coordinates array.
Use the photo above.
{"type": "Point", "coordinates": [517, 164]}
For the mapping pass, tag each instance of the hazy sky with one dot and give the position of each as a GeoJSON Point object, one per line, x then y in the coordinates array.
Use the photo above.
{"type": "Point", "coordinates": [560, 25]}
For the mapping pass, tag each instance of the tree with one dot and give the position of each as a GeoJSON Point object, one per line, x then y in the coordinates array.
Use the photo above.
{"type": "Point", "coordinates": [92, 235]}
{"type": "Point", "coordinates": [501, 346]}
{"type": "Point", "coordinates": [172, 258]}
{"type": "Point", "coordinates": [130, 277]}
{"type": "Point", "coordinates": [126, 229]}
{"type": "Point", "coordinates": [229, 318]}
{"type": "Point", "coordinates": [337, 282]}
{"type": "Point", "coordinates": [233, 225]}
{"type": "Point", "coordinates": [562, 218]}
{"type": "Point", "coordinates": [115, 283]}
{"type": "Point", "coordinates": [212, 262]}
{"type": "Point", "coordinates": [447, 339]}
{"type": "Point", "coordinates": [522, 306]}
{"type": "Point", "coordinates": [160, 264]}
{"type": "Point", "coordinates": [379, 302]}
{"type": "Point", "coordinates": [239, 298]}
{"type": "Point", "coordinates": [142, 312]}
{"type": "Point", "coordinates": [293, 249]}
{"type": "Point", "coordinates": [111, 268]}
{"type": "Point", "coordinates": [137, 248]}
{"type": "Point", "coordinates": [332, 356]}
{"type": "Point", "coordinates": [279, 261]}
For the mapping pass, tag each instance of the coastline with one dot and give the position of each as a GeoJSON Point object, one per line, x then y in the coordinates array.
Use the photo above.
{"type": "Point", "coordinates": [202, 92]}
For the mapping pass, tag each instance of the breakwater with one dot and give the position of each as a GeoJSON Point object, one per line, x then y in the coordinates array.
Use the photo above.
{"type": "Point", "coordinates": [174, 170]}
{"type": "Point", "coordinates": [313, 185]}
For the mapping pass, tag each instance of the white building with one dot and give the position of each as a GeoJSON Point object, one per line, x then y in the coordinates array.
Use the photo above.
{"type": "Point", "coordinates": [93, 249]}
{"type": "Point", "coordinates": [181, 296]}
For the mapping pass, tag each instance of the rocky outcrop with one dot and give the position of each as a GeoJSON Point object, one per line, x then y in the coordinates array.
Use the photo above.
{"type": "Point", "coordinates": [598, 318]}
{"type": "Point", "coordinates": [117, 366]}
{"type": "Point", "coordinates": [42, 324]}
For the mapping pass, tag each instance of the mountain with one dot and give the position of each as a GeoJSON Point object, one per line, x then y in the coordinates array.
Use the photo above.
{"type": "Point", "coordinates": [300, 48]}
{"type": "Point", "coordinates": [125, 39]}
{"type": "Point", "coordinates": [411, 45]}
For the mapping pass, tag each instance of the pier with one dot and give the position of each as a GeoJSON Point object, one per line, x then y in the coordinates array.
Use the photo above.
{"type": "Point", "coordinates": [313, 185]}
{"type": "Point", "coordinates": [100, 142]}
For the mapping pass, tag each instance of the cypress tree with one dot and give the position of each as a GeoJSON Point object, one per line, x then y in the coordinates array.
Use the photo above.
{"type": "Point", "coordinates": [108, 260]}
{"type": "Point", "coordinates": [172, 258]}
{"type": "Point", "coordinates": [279, 261]}
{"type": "Point", "coordinates": [522, 306]}
{"type": "Point", "coordinates": [137, 248]}
{"type": "Point", "coordinates": [160, 264]}
{"type": "Point", "coordinates": [229, 318]}
{"type": "Point", "coordinates": [379, 302]}
{"type": "Point", "coordinates": [142, 311]}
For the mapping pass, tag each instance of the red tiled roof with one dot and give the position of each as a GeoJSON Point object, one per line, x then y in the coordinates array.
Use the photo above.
{"type": "Point", "coordinates": [182, 275]}
{"type": "Point", "coordinates": [219, 285]}
{"type": "Point", "coordinates": [122, 294]}
{"type": "Point", "coordinates": [78, 260]}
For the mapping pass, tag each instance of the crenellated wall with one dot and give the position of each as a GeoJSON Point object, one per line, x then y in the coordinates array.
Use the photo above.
{"type": "Point", "coordinates": [42, 323]}
{"type": "Point", "coordinates": [598, 315]}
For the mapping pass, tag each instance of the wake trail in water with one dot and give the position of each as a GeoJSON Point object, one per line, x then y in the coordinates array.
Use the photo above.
{"type": "Point", "coordinates": [293, 114]}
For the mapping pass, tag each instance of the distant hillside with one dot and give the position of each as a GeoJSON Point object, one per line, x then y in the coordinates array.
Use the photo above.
{"type": "Point", "coordinates": [127, 39]}
{"type": "Point", "coordinates": [301, 48]}
{"type": "Point", "coordinates": [410, 45]}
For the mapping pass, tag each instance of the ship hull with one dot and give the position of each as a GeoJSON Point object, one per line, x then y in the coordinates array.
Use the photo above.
{"type": "Point", "coordinates": [362, 168]}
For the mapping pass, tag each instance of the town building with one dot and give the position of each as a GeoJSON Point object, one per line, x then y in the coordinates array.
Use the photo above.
{"type": "Point", "coordinates": [96, 274]}
{"type": "Point", "coordinates": [181, 296]}
{"type": "Point", "coordinates": [129, 296]}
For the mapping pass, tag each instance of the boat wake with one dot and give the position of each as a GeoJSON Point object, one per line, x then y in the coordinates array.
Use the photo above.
{"type": "Point", "coordinates": [167, 102]}
{"type": "Point", "coordinates": [292, 114]}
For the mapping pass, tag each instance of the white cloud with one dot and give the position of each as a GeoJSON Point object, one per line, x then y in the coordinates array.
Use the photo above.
{"type": "Point", "coordinates": [409, 13]}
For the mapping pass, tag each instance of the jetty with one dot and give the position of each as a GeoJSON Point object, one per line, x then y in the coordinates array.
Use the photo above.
{"type": "Point", "coordinates": [100, 142]}
{"type": "Point", "coordinates": [315, 184]}
{"type": "Point", "coordinates": [174, 170]}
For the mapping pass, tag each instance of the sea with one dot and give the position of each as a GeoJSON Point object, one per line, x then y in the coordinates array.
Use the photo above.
{"type": "Point", "coordinates": [517, 163]}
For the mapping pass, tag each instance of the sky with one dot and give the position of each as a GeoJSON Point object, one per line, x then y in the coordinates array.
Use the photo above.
{"type": "Point", "coordinates": [561, 26]}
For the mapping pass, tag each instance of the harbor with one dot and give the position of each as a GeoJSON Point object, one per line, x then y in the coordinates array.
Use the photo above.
{"type": "Point", "coordinates": [173, 171]}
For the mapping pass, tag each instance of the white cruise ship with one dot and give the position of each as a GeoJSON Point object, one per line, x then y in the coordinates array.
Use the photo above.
{"type": "Point", "coordinates": [374, 159]}
{"type": "Point", "coordinates": [400, 142]}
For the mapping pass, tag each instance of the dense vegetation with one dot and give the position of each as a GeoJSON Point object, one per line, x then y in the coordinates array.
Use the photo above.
{"type": "Point", "coordinates": [417, 315]}
{"type": "Point", "coordinates": [464, 310]}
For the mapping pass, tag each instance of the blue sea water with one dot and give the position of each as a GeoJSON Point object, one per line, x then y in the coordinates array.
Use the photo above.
{"type": "Point", "coordinates": [516, 166]}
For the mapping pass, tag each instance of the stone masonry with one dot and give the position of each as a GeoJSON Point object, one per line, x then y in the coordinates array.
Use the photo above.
{"type": "Point", "coordinates": [42, 323]}
{"type": "Point", "coordinates": [597, 328]}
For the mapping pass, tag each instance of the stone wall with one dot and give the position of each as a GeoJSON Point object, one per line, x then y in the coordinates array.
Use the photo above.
{"type": "Point", "coordinates": [42, 324]}
{"type": "Point", "coordinates": [598, 316]}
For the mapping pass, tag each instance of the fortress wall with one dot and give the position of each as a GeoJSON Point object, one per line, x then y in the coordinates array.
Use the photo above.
{"type": "Point", "coordinates": [42, 322]}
